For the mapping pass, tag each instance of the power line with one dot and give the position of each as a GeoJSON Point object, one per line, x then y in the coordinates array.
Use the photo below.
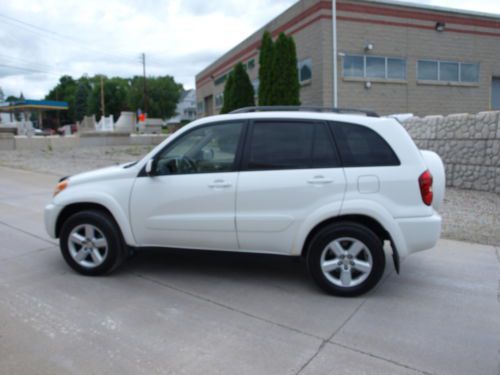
{"type": "Point", "coordinates": [50, 34]}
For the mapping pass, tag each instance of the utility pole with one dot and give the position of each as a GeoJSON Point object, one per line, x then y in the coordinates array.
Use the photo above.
{"type": "Point", "coordinates": [334, 41]}
{"type": "Point", "coordinates": [103, 108]}
{"type": "Point", "coordinates": [145, 97]}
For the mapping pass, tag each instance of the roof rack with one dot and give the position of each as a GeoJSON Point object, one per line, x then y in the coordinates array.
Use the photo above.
{"type": "Point", "coordinates": [305, 109]}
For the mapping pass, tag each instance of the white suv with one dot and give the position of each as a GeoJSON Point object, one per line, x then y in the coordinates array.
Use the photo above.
{"type": "Point", "coordinates": [329, 187]}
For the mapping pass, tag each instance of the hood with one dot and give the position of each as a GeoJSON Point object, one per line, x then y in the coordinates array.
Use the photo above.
{"type": "Point", "coordinates": [103, 174]}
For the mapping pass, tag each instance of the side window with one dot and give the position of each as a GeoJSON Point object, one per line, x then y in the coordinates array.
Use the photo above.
{"type": "Point", "coordinates": [290, 145]}
{"type": "Point", "coordinates": [208, 149]}
{"type": "Point", "coordinates": [360, 146]}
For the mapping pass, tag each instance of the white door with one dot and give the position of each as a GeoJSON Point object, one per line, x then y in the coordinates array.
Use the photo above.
{"type": "Point", "coordinates": [290, 169]}
{"type": "Point", "coordinates": [189, 201]}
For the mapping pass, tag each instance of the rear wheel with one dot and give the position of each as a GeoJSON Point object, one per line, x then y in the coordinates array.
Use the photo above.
{"type": "Point", "coordinates": [91, 243]}
{"type": "Point", "coordinates": [346, 259]}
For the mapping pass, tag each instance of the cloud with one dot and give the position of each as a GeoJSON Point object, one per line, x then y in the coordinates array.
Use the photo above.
{"type": "Point", "coordinates": [179, 37]}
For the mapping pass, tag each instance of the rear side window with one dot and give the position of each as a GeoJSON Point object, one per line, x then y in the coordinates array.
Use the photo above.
{"type": "Point", "coordinates": [290, 145]}
{"type": "Point", "coordinates": [360, 146]}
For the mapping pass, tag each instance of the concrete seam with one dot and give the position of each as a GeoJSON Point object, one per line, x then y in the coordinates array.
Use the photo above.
{"type": "Point", "coordinates": [381, 358]}
{"type": "Point", "coordinates": [338, 329]}
{"type": "Point", "coordinates": [197, 296]}
{"type": "Point", "coordinates": [8, 259]}
{"type": "Point", "coordinates": [28, 233]}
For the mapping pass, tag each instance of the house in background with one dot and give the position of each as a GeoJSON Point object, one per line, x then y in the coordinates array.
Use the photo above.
{"type": "Point", "coordinates": [392, 57]}
{"type": "Point", "coordinates": [185, 110]}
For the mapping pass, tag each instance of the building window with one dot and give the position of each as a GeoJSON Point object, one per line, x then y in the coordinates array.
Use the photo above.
{"type": "Point", "coordinates": [220, 79]}
{"type": "Point", "coordinates": [251, 64]}
{"type": "Point", "coordinates": [201, 107]}
{"type": "Point", "coordinates": [219, 100]}
{"type": "Point", "coordinates": [354, 66]}
{"type": "Point", "coordinates": [305, 70]}
{"type": "Point", "coordinates": [447, 71]}
{"type": "Point", "coordinates": [389, 68]}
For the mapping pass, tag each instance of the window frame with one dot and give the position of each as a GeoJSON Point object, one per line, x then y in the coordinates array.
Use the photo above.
{"type": "Point", "coordinates": [460, 63]}
{"type": "Point", "coordinates": [237, 156]}
{"type": "Point", "coordinates": [245, 157]}
{"type": "Point", "coordinates": [305, 62]}
{"type": "Point", "coordinates": [386, 68]}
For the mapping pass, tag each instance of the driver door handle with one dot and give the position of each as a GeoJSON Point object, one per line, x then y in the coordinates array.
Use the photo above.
{"type": "Point", "coordinates": [219, 184]}
{"type": "Point", "coordinates": [319, 180]}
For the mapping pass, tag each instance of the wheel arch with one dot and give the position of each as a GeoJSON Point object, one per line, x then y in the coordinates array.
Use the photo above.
{"type": "Point", "coordinates": [365, 220]}
{"type": "Point", "coordinates": [73, 208]}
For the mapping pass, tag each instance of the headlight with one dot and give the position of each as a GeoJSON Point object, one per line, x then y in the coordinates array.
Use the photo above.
{"type": "Point", "coordinates": [60, 187]}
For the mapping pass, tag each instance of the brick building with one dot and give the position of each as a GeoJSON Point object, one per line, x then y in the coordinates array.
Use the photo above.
{"type": "Point", "coordinates": [393, 57]}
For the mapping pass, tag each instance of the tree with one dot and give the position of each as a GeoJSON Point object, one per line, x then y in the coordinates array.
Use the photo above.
{"type": "Point", "coordinates": [115, 96]}
{"type": "Point", "coordinates": [163, 95]}
{"type": "Point", "coordinates": [240, 93]}
{"type": "Point", "coordinates": [81, 98]}
{"type": "Point", "coordinates": [285, 87]}
{"type": "Point", "coordinates": [64, 91]}
{"type": "Point", "coordinates": [228, 94]}
{"type": "Point", "coordinates": [265, 69]}
{"type": "Point", "coordinates": [291, 74]}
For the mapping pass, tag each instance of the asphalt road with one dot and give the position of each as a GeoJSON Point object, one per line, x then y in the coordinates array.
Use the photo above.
{"type": "Point", "coordinates": [234, 314]}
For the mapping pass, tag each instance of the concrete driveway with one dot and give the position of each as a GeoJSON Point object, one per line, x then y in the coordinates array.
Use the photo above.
{"type": "Point", "coordinates": [234, 314]}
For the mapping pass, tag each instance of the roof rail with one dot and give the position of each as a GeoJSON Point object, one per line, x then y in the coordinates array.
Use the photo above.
{"type": "Point", "coordinates": [305, 109]}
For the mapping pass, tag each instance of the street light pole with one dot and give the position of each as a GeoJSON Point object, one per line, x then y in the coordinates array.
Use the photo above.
{"type": "Point", "coordinates": [334, 41]}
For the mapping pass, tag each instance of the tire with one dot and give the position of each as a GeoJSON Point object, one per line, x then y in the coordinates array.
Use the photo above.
{"type": "Point", "coordinates": [346, 259]}
{"type": "Point", "coordinates": [102, 254]}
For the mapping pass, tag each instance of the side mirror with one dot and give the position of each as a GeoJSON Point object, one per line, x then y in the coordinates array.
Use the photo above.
{"type": "Point", "coordinates": [149, 167]}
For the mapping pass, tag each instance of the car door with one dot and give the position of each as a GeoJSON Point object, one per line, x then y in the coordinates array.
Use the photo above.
{"type": "Point", "coordinates": [189, 200]}
{"type": "Point", "coordinates": [290, 169]}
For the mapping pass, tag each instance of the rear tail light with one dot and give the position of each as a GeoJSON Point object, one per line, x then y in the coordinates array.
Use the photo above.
{"type": "Point", "coordinates": [425, 182]}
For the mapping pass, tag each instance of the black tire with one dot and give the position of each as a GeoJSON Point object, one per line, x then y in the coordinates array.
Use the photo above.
{"type": "Point", "coordinates": [373, 245]}
{"type": "Point", "coordinates": [116, 251]}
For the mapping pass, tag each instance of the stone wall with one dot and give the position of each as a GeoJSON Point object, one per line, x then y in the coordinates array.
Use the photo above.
{"type": "Point", "coordinates": [468, 144]}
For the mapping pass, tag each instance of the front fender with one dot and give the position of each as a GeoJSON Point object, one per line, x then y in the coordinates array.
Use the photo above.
{"type": "Point", "coordinates": [118, 207]}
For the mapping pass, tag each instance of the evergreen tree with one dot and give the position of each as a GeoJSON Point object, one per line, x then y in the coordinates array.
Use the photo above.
{"type": "Point", "coordinates": [81, 99]}
{"type": "Point", "coordinates": [292, 75]}
{"type": "Point", "coordinates": [228, 94]}
{"type": "Point", "coordinates": [265, 69]}
{"type": "Point", "coordinates": [285, 87]}
{"type": "Point", "coordinates": [238, 92]}
{"type": "Point", "coordinates": [278, 68]}
{"type": "Point", "coordinates": [243, 93]}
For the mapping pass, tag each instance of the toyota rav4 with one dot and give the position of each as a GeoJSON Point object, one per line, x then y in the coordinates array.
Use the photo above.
{"type": "Point", "coordinates": [333, 188]}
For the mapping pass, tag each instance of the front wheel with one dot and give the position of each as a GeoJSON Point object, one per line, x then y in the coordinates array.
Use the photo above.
{"type": "Point", "coordinates": [91, 243]}
{"type": "Point", "coordinates": [346, 259]}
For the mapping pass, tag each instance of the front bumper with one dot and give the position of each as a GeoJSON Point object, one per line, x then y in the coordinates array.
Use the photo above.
{"type": "Point", "coordinates": [420, 233]}
{"type": "Point", "coordinates": [50, 216]}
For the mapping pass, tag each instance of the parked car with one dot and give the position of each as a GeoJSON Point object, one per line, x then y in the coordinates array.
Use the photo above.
{"type": "Point", "coordinates": [332, 188]}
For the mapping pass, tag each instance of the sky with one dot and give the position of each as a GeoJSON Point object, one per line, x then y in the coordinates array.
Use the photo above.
{"type": "Point", "coordinates": [43, 40]}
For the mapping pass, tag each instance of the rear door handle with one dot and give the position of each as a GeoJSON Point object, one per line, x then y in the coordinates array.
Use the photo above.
{"type": "Point", "coordinates": [219, 184]}
{"type": "Point", "coordinates": [319, 180]}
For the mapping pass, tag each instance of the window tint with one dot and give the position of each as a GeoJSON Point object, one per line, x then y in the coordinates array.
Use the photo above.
{"type": "Point", "coordinates": [448, 71]}
{"type": "Point", "coordinates": [428, 70]}
{"type": "Point", "coordinates": [290, 145]}
{"type": "Point", "coordinates": [375, 67]}
{"type": "Point", "coordinates": [324, 153]}
{"type": "Point", "coordinates": [360, 146]}
{"type": "Point", "coordinates": [205, 150]}
{"type": "Point", "coordinates": [469, 72]}
{"type": "Point", "coordinates": [353, 66]}
{"type": "Point", "coordinates": [396, 68]}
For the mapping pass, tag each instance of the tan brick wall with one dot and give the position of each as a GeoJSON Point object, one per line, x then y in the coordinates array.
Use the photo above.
{"type": "Point", "coordinates": [411, 43]}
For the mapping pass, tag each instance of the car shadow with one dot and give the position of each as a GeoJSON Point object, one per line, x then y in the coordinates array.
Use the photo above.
{"type": "Point", "coordinates": [218, 265]}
